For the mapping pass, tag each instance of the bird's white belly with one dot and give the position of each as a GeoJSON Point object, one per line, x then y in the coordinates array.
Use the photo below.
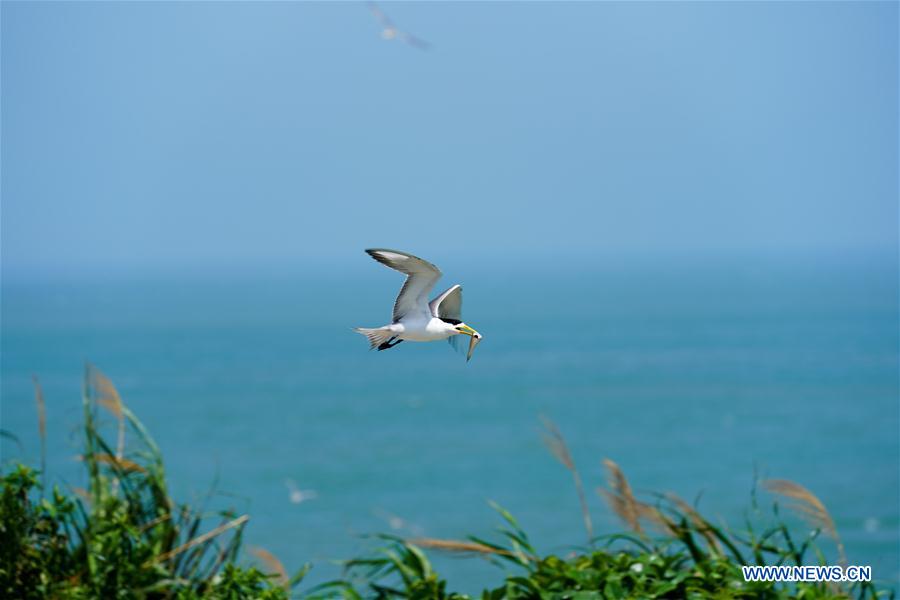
{"type": "Point", "coordinates": [421, 330]}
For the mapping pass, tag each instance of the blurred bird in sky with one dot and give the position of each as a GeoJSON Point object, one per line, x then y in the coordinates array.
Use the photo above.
{"type": "Point", "coordinates": [298, 496]}
{"type": "Point", "coordinates": [397, 523]}
{"type": "Point", "coordinates": [389, 31]}
{"type": "Point", "coordinates": [415, 318]}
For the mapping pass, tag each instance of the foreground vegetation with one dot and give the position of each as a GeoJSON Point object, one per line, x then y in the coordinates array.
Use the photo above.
{"type": "Point", "coordinates": [122, 536]}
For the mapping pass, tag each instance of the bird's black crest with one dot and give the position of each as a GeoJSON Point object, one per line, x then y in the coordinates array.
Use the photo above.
{"type": "Point", "coordinates": [451, 321]}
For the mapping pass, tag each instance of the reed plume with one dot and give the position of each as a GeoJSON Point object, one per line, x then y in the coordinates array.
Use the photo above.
{"type": "Point", "coordinates": [628, 508]}
{"type": "Point", "coordinates": [270, 561]}
{"type": "Point", "coordinates": [457, 546]}
{"type": "Point", "coordinates": [200, 539]}
{"type": "Point", "coordinates": [123, 464]}
{"type": "Point", "coordinates": [699, 523]}
{"type": "Point", "coordinates": [107, 396]}
{"type": "Point", "coordinates": [556, 443]}
{"type": "Point", "coordinates": [42, 425]}
{"type": "Point", "coordinates": [809, 507]}
{"type": "Point", "coordinates": [83, 494]}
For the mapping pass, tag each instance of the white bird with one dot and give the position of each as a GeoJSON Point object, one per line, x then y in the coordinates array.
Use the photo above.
{"type": "Point", "coordinates": [397, 523]}
{"type": "Point", "coordinates": [415, 318]}
{"type": "Point", "coordinates": [298, 496]}
{"type": "Point", "coordinates": [389, 31]}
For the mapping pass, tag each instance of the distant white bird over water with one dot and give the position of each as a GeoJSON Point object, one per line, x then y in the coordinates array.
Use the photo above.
{"type": "Point", "coordinates": [415, 318]}
{"type": "Point", "coordinates": [298, 496]}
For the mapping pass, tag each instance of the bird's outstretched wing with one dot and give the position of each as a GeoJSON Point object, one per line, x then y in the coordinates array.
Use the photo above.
{"type": "Point", "coordinates": [421, 276]}
{"type": "Point", "coordinates": [389, 31]}
{"type": "Point", "coordinates": [448, 305]}
{"type": "Point", "coordinates": [383, 19]}
{"type": "Point", "coordinates": [414, 41]}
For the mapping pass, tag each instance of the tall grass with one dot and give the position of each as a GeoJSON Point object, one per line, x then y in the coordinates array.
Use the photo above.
{"type": "Point", "coordinates": [122, 535]}
{"type": "Point", "coordinates": [808, 506]}
{"type": "Point", "coordinates": [557, 446]}
{"type": "Point", "coordinates": [42, 423]}
{"type": "Point", "coordinates": [686, 556]}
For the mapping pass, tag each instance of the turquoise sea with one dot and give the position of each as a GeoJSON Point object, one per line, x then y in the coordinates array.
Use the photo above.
{"type": "Point", "coordinates": [691, 376]}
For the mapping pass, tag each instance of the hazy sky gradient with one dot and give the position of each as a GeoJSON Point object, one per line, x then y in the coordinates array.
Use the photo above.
{"type": "Point", "coordinates": [170, 135]}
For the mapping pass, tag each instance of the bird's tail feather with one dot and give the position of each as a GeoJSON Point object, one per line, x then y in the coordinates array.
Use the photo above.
{"type": "Point", "coordinates": [376, 336]}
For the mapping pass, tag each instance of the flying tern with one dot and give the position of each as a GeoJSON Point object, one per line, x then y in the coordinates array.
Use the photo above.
{"type": "Point", "coordinates": [389, 31]}
{"type": "Point", "coordinates": [415, 319]}
{"type": "Point", "coordinates": [296, 495]}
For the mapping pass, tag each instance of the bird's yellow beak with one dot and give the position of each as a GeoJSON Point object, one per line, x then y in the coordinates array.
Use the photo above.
{"type": "Point", "coordinates": [468, 331]}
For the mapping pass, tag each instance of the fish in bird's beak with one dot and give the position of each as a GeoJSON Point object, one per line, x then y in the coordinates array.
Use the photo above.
{"type": "Point", "coordinates": [472, 343]}
{"type": "Point", "coordinates": [475, 338]}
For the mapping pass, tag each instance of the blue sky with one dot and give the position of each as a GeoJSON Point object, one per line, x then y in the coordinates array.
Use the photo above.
{"type": "Point", "coordinates": [166, 136]}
